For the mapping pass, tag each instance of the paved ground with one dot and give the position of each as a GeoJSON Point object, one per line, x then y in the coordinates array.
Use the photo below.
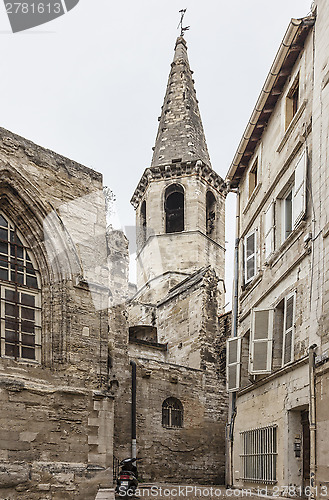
{"type": "Point", "coordinates": [171, 492]}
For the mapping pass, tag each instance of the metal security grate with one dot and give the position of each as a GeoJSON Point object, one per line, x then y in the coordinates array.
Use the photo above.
{"type": "Point", "coordinates": [259, 455]}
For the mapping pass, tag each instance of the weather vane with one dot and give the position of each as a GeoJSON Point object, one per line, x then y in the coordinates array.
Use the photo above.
{"type": "Point", "coordinates": [180, 24]}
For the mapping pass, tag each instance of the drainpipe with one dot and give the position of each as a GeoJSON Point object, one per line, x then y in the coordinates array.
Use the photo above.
{"type": "Point", "coordinates": [229, 481]}
{"type": "Point", "coordinates": [312, 420]}
{"type": "Point", "coordinates": [133, 409]}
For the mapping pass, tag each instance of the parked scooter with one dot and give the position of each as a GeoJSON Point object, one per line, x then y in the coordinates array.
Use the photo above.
{"type": "Point", "coordinates": [127, 478]}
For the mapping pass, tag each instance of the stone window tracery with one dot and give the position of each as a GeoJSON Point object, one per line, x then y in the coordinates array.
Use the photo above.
{"type": "Point", "coordinates": [172, 413]}
{"type": "Point", "coordinates": [20, 296]}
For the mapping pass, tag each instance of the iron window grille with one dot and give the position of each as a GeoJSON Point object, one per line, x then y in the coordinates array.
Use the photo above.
{"type": "Point", "coordinates": [172, 413]}
{"type": "Point", "coordinates": [19, 295]}
{"type": "Point", "coordinates": [259, 457]}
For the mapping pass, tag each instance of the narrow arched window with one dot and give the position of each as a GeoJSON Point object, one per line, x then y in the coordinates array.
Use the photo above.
{"type": "Point", "coordinates": [174, 208]}
{"type": "Point", "coordinates": [172, 413]}
{"type": "Point", "coordinates": [143, 222]}
{"type": "Point", "coordinates": [210, 213]}
{"type": "Point", "coordinates": [20, 296]}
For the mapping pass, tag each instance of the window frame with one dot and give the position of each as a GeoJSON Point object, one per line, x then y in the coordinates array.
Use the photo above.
{"type": "Point", "coordinates": [248, 258]}
{"type": "Point", "coordinates": [170, 190]}
{"type": "Point", "coordinates": [269, 230]}
{"type": "Point", "coordinates": [296, 188]}
{"type": "Point", "coordinates": [285, 233]}
{"type": "Point", "coordinates": [292, 103]}
{"type": "Point", "coordinates": [287, 331]}
{"type": "Point", "coordinates": [211, 214]}
{"type": "Point", "coordinates": [259, 454]}
{"type": "Point", "coordinates": [179, 409]}
{"type": "Point", "coordinates": [300, 182]}
{"type": "Point", "coordinates": [265, 340]}
{"type": "Point", "coordinates": [235, 365]}
{"type": "Point", "coordinates": [143, 223]}
{"type": "Point", "coordinates": [253, 177]}
{"type": "Point", "coordinates": [20, 264]}
{"type": "Point", "coordinates": [36, 322]}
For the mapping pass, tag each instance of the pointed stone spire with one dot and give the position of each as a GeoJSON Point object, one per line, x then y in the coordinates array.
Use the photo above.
{"type": "Point", "coordinates": [180, 135]}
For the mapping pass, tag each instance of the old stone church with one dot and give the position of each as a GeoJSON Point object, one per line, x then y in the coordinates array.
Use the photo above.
{"type": "Point", "coordinates": [72, 326]}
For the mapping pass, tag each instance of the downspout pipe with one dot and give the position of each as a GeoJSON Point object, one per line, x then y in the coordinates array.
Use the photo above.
{"type": "Point", "coordinates": [312, 421]}
{"type": "Point", "coordinates": [133, 409]}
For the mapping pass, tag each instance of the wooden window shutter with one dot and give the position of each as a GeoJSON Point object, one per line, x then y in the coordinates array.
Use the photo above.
{"type": "Point", "coordinates": [288, 330]}
{"type": "Point", "coordinates": [299, 198]}
{"type": "Point", "coordinates": [269, 230]}
{"type": "Point", "coordinates": [261, 341]}
{"type": "Point", "coordinates": [233, 356]}
{"type": "Point", "coordinates": [250, 248]}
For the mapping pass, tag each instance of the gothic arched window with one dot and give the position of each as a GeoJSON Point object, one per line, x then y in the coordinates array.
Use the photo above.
{"type": "Point", "coordinates": [20, 296]}
{"type": "Point", "coordinates": [174, 208]}
{"type": "Point", "coordinates": [172, 413]}
{"type": "Point", "coordinates": [210, 212]}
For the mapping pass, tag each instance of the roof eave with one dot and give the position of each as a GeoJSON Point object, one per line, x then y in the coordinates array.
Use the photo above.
{"type": "Point", "coordinates": [296, 32]}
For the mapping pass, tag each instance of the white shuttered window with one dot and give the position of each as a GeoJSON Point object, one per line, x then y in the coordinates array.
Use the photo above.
{"type": "Point", "coordinates": [250, 250]}
{"type": "Point", "coordinates": [269, 230]}
{"type": "Point", "coordinates": [233, 356]}
{"type": "Point", "coordinates": [261, 341]}
{"type": "Point", "coordinates": [288, 330]}
{"type": "Point", "coordinates": [299, 198]}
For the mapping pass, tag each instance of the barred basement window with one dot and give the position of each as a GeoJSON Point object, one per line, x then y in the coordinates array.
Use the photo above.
{"type": "Point", "coordinates": [19, 295]}
{"type": "Point", "coordinates": [172, 413]}
{"type": "Point", "coordinates": [259, 455]}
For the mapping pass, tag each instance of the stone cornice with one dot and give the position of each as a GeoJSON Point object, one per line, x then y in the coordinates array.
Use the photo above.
{"type": "Point", "coordinates": [175, 171]}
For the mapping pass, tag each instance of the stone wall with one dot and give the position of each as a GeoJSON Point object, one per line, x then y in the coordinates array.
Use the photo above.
{"type": "Point", "coordinates": [192, 454]}
{"type": "Point", "coordinates": [57, 415]}
{"type": "Point", "coordinates": [182, 360]}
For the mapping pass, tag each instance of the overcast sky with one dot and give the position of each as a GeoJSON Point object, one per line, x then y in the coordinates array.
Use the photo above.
{"type": "Point", "coordinates": [90, 85]}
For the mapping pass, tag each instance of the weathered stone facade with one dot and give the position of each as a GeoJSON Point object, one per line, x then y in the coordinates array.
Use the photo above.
{"type": "Point", "coordinates": [181, 360]}
{"type": "Point", "coordinates": [280, 176]}
{"type": "Point", "coordinates": [175, 335]}
{"type": "Point", "coordinates": [70, 325]}
{"type": "Point", "coordinates": [56, 412]}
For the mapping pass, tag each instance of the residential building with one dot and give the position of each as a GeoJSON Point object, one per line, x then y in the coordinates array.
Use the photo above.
{"type": "Point", "coordinates": [278, 353]}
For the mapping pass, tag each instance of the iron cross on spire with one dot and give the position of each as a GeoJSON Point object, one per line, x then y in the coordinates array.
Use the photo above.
{"type": "Point", "coordinates": [180, 24]}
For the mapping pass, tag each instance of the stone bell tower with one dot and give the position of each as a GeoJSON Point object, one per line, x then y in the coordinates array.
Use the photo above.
{"type": "Point", "coordinates": [179, 200]}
